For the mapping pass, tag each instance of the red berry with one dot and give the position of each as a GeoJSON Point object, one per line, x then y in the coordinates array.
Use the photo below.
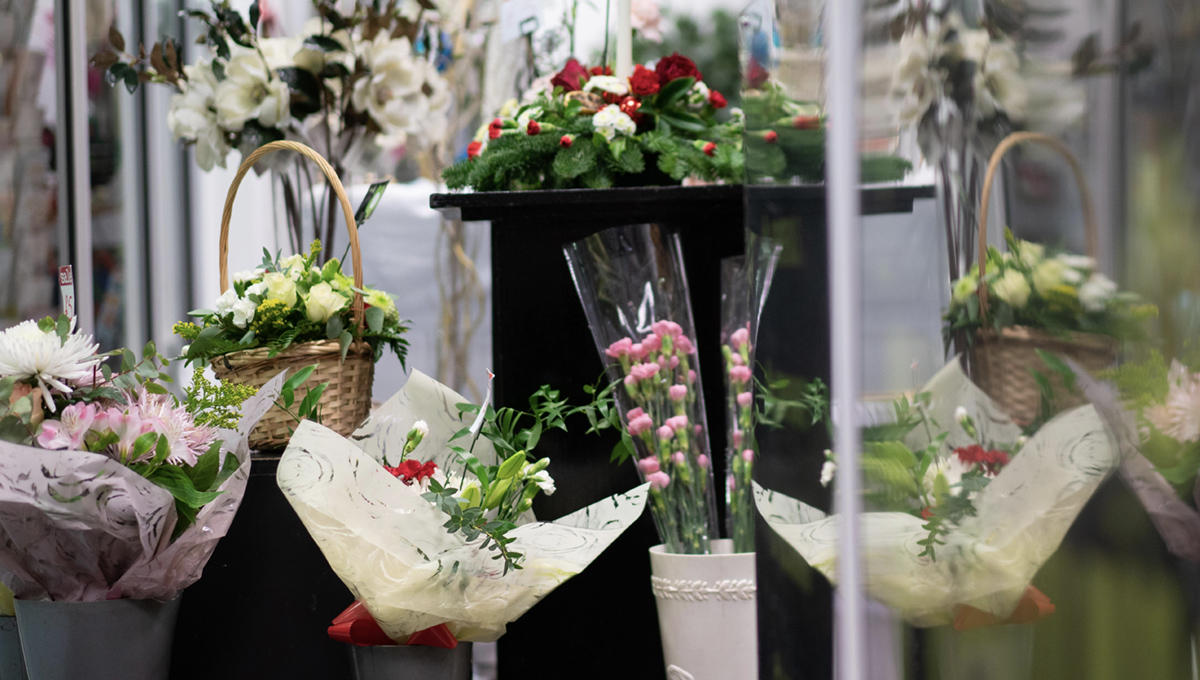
{"type": "Point", "coordinates": [770, 137]}
{"type": "Point", "coordinates": [709, 149]}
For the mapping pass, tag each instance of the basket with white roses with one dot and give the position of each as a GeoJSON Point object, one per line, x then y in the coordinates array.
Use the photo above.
{"type": "Point", "coordinates": [585, 128]}
{"type": "Point", "coordinates": [1015, 307]}
{"type": "Point", "coordinates": [291, 313]}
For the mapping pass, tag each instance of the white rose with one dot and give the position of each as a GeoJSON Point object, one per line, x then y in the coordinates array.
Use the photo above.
{"type": "Point", "coordinates": [1096, 292]}
{"type": "Point", "coordinates": [243, 312]}
{"type": "Point", "coordinates": [611, 84]}
{"type": "Point", "coordinates": [1030, 253]}
{"type": "Point", "coordinates": [280, 287]}
{"type": "Point", "coordinates": [293, 265]}
{"type": "Point", "coordinates": [322, 302]}
{"type": "Point", "coordinates": [611, 121]}
{"type": "Point", "coordinates": [247, 275]}
{"type": "Point", "coordinates": [1012, 288]}
{"type": "Point", "coordinates": [257, 289]}
{"type": "Point", "coordinates": [192, 116]}
{"type": "Point", "coordinates": [251, 91]}
{"type": "Point", "coordinates": [226, 302]}
{"type": "Point", "coordinates": [1047, 275]}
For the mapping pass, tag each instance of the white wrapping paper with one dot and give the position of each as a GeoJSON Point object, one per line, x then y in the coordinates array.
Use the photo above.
{"type": "Point", "coordinates": [80, 527]}
{"type": "Point", "coordinates": [389, 546]}
{"type": "Point", "coordinates": [989, 559]}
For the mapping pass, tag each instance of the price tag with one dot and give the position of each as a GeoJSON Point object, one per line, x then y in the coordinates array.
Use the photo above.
{"type": "Point", "coordinates": [374, 193]}
{"type": "Point", "coordinates": [519, 18]}
{"type": "Point", "coordinates": [66, 288]}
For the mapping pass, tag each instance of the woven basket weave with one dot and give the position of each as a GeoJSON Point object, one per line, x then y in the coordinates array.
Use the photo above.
{"type": "Point", "coordinates": [1002, 364]}
{"type": "Point", "coordinates": [347, 398]}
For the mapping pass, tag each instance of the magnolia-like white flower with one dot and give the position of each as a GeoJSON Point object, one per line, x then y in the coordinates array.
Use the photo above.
{"type": "Point", "coordinates": [226, 302]}
{"type": "Point", "coordinates": [251, 91]}
{"type": "Point", "coordinates": [544, 482]}
{"type": "Point", "coordinates": [322, 302]}
{"type": "Point", "coordinates": [280, 287]}
{"type": "Point", "coordinates": [243, 312]}
{"type": "Point", "coordinates": [537, 88]}
{"type": "Point", "coordinates": [1013, 288]}
{"type": "Point", "coordinates": [611, 121]}
{"type": "Point", "coordinates": [610, 84]}
{"type": "Point", "coordinates": [1048, 275]}
{"type": "Point", "coordinates": [1095, 293]}
{"type": "Point", "coordinates": [392, 93]}
{"type": "Point", "coordinates": [1179, 416]}
{"type": "Point", "coordinates": [644, 17]}
{"type": "Point", "coordinates": [827, 472]}
{"type": "Point", "coordinates": [998, 85]}
{"type": "Point", "coordinates": [29, 353]}
{"type": "Point", "coordinates": [917, 82]}
{"type": "Point", "coordinates": [192, 116]}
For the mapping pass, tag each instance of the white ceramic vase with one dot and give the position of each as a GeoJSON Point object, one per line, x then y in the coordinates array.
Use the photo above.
{"type": "Point", "coordinates": [707, 613]}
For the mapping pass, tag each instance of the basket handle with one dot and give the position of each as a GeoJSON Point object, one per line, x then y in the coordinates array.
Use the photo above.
{"type": "Point", "coordinates": [1089, 216]}
{"type": "Point", "coordinates": [355, 250]}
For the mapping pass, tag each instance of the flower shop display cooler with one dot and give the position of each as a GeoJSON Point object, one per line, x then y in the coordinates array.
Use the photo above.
{"type": "Point", "coordinates": [541, 336]}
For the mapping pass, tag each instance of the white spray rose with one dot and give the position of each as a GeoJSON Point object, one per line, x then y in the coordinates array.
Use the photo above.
{"type": "Point", "coordinates": [611, 121]}
{"type": "Point", "coordinates": [280, 287]}
{"type": "Point", "coordinates": [1012, 288]}
{"type": "Point", "coordinates": [1047, 275]}
{"type": "Point", "coordinates": [243, 312]}
{"type": "Point", "coordinates": [322, 302]}
{"type": "Point", "coordinates": [251, 91]}
{"type": "Point", "coordinates": [226, 302]}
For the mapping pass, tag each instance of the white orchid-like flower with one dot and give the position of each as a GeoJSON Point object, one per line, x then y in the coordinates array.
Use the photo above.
{"type": "Point", "coordinates": [192, 116]}
{"type": "Point", "coordinates": [251, 90]}
{"type": "Point", "coordinates": [29, 353]}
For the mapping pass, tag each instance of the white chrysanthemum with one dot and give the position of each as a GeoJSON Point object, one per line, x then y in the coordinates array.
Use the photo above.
{"type": "Point", "coordinates": [611, 121]}
{"type": "Point", "coordinates": [1179, 416]}
{"type": "Point", "coordinates": [29, 353]}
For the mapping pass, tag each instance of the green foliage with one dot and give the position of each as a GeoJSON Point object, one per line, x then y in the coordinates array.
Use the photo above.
{"type": "Point", "coordinates": [216, 405]}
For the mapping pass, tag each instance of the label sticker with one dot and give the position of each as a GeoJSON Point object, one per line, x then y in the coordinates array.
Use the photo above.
{"type": "Point", "coordinates": [66, 288]}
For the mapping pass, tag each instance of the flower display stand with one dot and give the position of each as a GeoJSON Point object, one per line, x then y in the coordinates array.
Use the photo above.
{"type": "Point", "coordinates": [541, 336]}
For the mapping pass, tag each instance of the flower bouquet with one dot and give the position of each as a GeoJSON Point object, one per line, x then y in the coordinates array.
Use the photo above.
{"type": "Point", "coordinates": [351, 84]}
{"type": "Point", "coordinates": [111, 489]}
{"type": "Point", "coordinates": [289, 313]}
{"type": "Point", "coordinates": [426, 515]}
{"type": "Point", "coordinates": [1011, 308]}
{"type": "Point", "coordinates": [966, 515]}
{"type": "Point", "coordinates": [585, 128]}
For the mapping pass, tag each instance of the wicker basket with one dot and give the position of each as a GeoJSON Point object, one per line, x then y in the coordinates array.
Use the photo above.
{"type": "Point", "coordinates": [347, 398]}
{"type": "Point", "coordinates": [1002, 364]}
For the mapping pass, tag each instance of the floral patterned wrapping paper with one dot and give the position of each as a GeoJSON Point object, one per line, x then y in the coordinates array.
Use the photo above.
{"type": "Point", "coordinates": [80, 527]}
{"type": "Point", "coordinates": [989, 559]}
{"type": "Point", "coordinates": [388, 545]}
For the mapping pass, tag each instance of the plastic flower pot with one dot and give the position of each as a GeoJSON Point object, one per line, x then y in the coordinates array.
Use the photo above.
{"type": "Point", "coordinates": [12, 665]}
{"type": "Point", "coordinates": [707, 612]}
{"type": "Point", "coordinates": [411, 662]}
{"type": "Point", "coordinates": [110, 640]}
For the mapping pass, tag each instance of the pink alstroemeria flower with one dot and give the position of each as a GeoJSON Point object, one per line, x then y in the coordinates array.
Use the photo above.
{"type": "Point", "coordinates": [70, 431]}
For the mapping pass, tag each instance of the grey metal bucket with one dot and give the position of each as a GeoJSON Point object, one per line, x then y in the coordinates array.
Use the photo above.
{"type": "Point", "coordinates": [112, 640]}
{"type": "Point", "coordinates": [411, 662]}
{"type": "Point", "coordinates": [12, 664]}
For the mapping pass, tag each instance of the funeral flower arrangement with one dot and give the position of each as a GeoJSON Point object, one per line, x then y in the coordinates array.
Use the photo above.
{"type": "Point", "coordinates": [101, 457]}
{"type": "Point", "coordinates": [291, 300]}
{"type": "Point", "coordinates": [1026, 286]}
{"type": "Point", "coordinates": [588, 128]}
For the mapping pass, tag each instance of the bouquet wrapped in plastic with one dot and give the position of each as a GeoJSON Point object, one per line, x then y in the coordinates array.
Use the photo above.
{"type": "Point", "coordinates": [412, 513]}
{"type": "Point", "coordinates": [995, 514]}
{"type": "Point", "coordinates": [110, 487]}
{"type": "Point", "coordinates": [632, 285]}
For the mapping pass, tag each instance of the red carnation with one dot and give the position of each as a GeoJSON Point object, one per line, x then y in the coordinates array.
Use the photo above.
{"type": "Point", "coordinates": [770, 136]}
{"type": "Point", "coordinates": [474, 149]}
{"type": "Point", "coordinates": [494, 128]}
{"type": "Point", "coordinates": [410, 471]}
{"type": "Point", "coordinates": [571, 77]}
{"type": "Point", "coordinates": [643, 81]}
{"type": "Point", "coordinates": [676, 66]}
{"type": "Point", "coordinates": [613, 98]}
{"type": "Point", "coordinates": [630, 106]}
{"type": "Point", "coordinates": [566, 141]}
{"type": "Point", "coordinates": [717, 99]}
{"type": "Point", "coordinates": [710, 148]}
{"type": "Point", "coordinates": [533, 128]}
{"type": "Point", "coordinates": [600, 70]}
{"type": "Point", "coordinates": [975, 454]}
{"type": "Point", "coordinates": [806, 122]}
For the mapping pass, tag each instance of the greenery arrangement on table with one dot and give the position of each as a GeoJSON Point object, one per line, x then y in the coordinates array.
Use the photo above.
{"type": "Point", "coordinates": [289, 301]}
{"type": "Point", "coordinates": [1059, 293]}
{"type": "Point", "coordinates": [585, 128]}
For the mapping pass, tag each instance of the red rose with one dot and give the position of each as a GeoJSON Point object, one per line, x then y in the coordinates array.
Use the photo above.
{"type": "Point", "coordinates": [643, 81]}
{"type": "Point", "coordinates": [770, 136]}
{"type": "Point", "coordinates": [571, 77]}
{"type": "Point", "coordinates": [717, 99]}
{"type": "Point", "coordinates": [630, 106]}
{"type": "Point", "coordinates": [710, 148]}
{"type": "Point", "coordinates": [533, 128]}
{"type": "Point", "coordinates": [756, 75]}
{"type": "Point", "coordinates": [566, 141]}
{"type": "Point", "coordinates": [676, 66]}
{"type": "Point", "coordinates": [600, 70]}
{"type": "Point", "coordinates": [474, 149]}
{"type": "Point", "coordinates": [806, 122]}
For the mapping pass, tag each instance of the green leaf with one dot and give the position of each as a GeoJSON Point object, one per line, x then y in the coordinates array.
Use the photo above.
{"type": "Point", "coordinates": [144, 444]}
{"type": "Point", "coordinates": [247, 338]}
{"type": "Point", "coordinates": [204, 472]}
{"type": "Point", "coordinates": [201, 312]}
{"type": "Point", "coordinates": [149, 350]}
{"type": "Point", "coordinates": [344, 341]}
{"type": "Point", "coordinates": [128, 360]}
{"type": "Point", "coordinates": [63, 327]}
{"type": "Point", "coordinates": [255, 13]}
{"type": "Point", "coordinates": [162, 449]}
{"type": "Point", "coordinates": [323, 43]}
{"type": "Point", "coordinates": [375, 319]}
{"type": "Point", "coordinates": [305, 90]}
{"type": "Point", "coordinates": [154, 388]}
{"type": "Point", "coordinates": [308, 405]}
{"type": "Point", "coordinates": [334, 327]}
{"type": "Point", "coordinates": [181, 487]}
{"type": "Point", "coordinates": [673, 91]}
